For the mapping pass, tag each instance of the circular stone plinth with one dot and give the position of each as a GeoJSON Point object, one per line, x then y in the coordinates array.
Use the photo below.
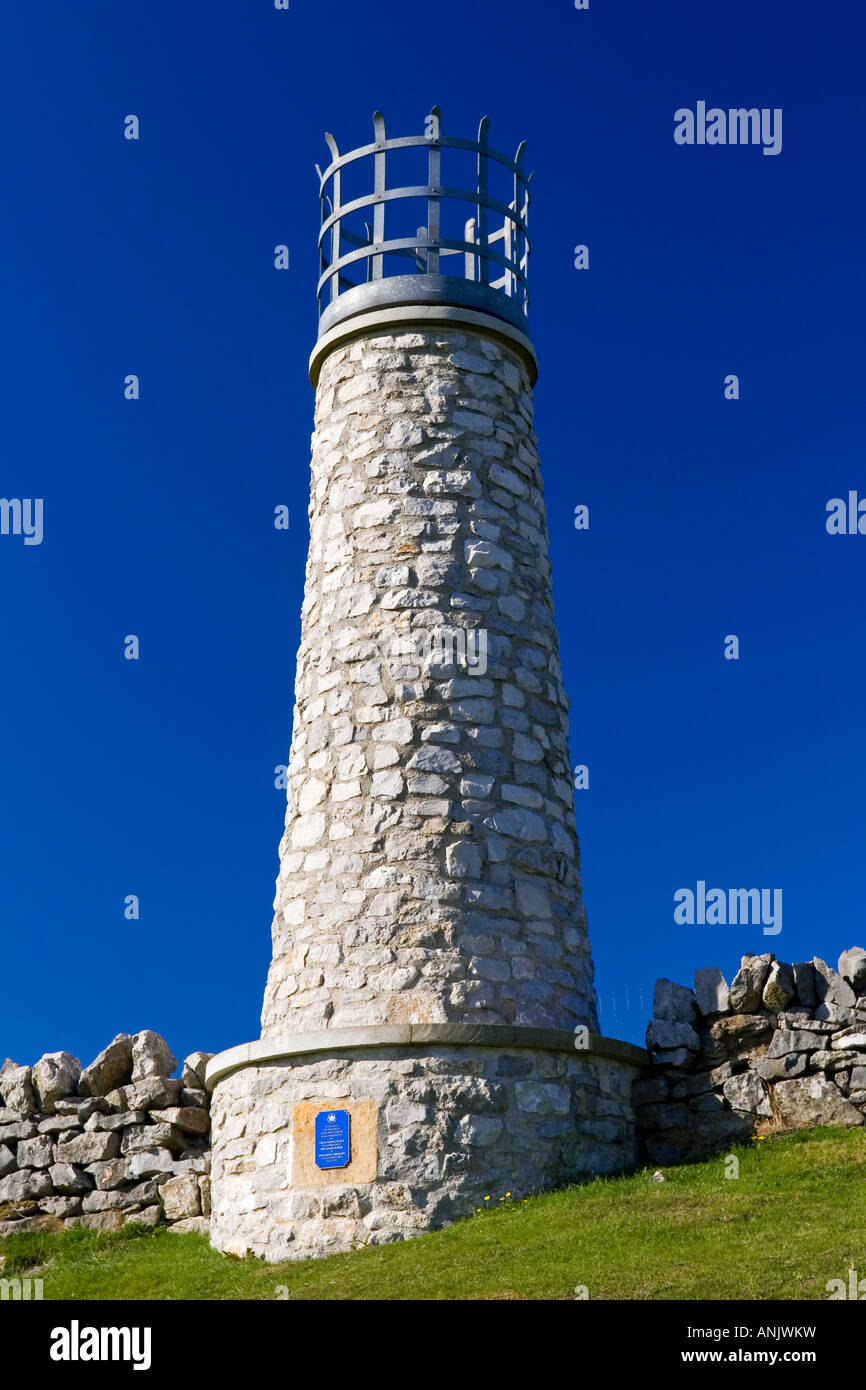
{"type": "Point", "coordinates": [441, 1118]}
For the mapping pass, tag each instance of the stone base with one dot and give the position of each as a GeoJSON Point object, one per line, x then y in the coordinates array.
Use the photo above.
{"type": "Point", "coordinates": [435, 1131]}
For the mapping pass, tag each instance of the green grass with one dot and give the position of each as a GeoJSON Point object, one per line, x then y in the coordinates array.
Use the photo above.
{"type": "Point", "coordinates": [794, 1218]}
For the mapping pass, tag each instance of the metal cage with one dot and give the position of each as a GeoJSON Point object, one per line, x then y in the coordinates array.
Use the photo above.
{"type": "Point", "coordinates": [489, 273]}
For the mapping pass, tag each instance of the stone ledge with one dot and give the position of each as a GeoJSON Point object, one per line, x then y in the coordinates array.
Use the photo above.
{"type": "Point", "coordinates": [340, 1040]}
{"type": "Point", "coordinates": [423, 317]}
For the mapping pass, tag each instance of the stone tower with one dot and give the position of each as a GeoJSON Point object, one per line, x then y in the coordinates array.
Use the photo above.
{"type": "Point", "coordinates": [429, 1027]}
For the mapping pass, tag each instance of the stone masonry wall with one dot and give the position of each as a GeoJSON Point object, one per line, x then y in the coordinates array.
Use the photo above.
{"type": "Point", "coordinates": [784, 1047]}
{"type": "Point", "coordinates": [119, 1141]}
{"type": "Point", "coordinates": [429, 867]}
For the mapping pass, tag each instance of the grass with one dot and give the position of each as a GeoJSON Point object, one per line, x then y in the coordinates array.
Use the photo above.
{"type": "Point", "coordinates": [794, 1218]}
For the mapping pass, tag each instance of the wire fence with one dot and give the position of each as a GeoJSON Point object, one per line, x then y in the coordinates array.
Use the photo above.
{"type": "Point", "coordinates": [632, 1004]}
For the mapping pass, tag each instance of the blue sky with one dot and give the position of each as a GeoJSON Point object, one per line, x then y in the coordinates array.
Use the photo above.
{"type": "Point", "coordinates": [707, 516]}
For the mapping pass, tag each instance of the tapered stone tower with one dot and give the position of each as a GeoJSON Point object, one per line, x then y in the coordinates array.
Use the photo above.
{"type": "Point", "coordinates": [429, 1027]}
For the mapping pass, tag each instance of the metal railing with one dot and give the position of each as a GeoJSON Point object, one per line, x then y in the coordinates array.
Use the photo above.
{"type": "Point", "coordinates": [487, 268]}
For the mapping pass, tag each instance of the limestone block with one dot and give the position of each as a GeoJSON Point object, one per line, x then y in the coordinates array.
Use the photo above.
{"type": "Point", "coordinates": [674, 1003]}
{"type": "Point", "coordinates": [748, 983]}
{"type": "Point", "coordinates": [16, 1088]}
{"type": "Point", "coordinates": [830, 987]}
{"type": "Point", "coordinates": [190, 1119]}
{"type": "Point", "coordinates": [69, 1179]}
{"type": "Point", "coordinates": [812, 1100]}
{"type": "Point", "coordinates": [852, 968]}
{"type": "Point", "coordinates": [198, 1225]}
{"type": "Point", "coordinates": [787, 1040]}
{"type": "Point", "coordinates": [24, 1186]}
{"type": "Point", "coordinates": [151, 1056]}
{"type": "Point", "coordinates": [55, 1076]}
{"type": "Point", "coordinates": [194, 1068]}
{"type": "Point", "coordinates": [181, 1197]}
{"type": "Point", "coordinates": [35, 1153]}
{"type": "Point", "coordinates": [151, 1093]}
{"type": "Point", "coordinates": [745, 1092]}
{"type": "Point", "coordinates": [87, 1148]}
{"type": "Point", "coordinates": [65, 1126]}
{"type": "Point", "coordinates": [712, 993]}
{"type": "Point", "coordinates": [662, 1035]}
{"type": "Point", "coordinates": [779, 988]}
{"type": "Point", "coordinates": [110, 1069]}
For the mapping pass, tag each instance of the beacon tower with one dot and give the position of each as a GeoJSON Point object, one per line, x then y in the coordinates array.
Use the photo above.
{"type": "Point", "coordinates": [429, 1033]}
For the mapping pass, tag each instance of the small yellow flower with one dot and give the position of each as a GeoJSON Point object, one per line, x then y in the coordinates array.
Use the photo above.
{"type": "Point", "coordinates": [487, 1199]}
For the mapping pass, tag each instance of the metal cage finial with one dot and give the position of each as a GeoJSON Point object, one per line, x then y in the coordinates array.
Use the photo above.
{"type": "Point", "coordinates": [480, 263]}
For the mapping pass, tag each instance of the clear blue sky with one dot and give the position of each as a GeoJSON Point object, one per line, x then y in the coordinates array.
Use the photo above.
{"type": "Point", "coordinates": [707, 517]}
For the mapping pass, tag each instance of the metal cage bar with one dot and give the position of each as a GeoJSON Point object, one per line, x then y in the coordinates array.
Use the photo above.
{"type": "Point", "coordinates": [434, 179]}
{"type": "Point", "coordinates": [408, 141]}
{"type": "Point", "coordinates": [482, 200]}
{"type": "Point", "coordinates": [483, 207]}
{"type": "Point", "coordinates": [379, 186]}
{"type": "Point", "coordinates": [494, 257]}
{"type": "Point", "coordinates": [419, 248]}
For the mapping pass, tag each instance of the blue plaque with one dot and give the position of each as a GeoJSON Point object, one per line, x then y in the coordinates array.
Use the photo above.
{"type": "Point", "coordinates": [332, 1139]}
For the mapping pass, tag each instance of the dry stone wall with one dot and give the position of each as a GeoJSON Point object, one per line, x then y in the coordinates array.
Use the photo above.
{"type": "Point", "coordinates": [429, 867]}
{"type": "Point", "coordinates": [119, 1141]}
{"type": "Point", "coordinates": [784, 1047]}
